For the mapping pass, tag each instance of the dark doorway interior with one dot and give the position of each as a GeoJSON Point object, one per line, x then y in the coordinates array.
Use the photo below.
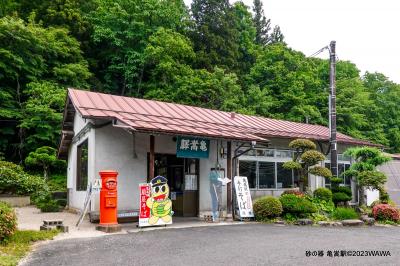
{"type": "Point", "coordinates": [183, 179]}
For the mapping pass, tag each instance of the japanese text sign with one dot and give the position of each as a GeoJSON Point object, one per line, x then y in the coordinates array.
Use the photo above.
{"type": "Point", "coordinates": [243, 197]}
{"type": "Point", "coordinates": [144, 211]}
{"type": "Point", "coordinates": [189, 147]}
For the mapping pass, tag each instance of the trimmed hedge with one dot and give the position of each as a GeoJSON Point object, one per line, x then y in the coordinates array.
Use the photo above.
{"type": "Point", "coordinates": [297, 205]}
{"type": "Point", "coordinates": [323, 194]}
{"type": "Point", "coordinates": [340, 197]}
{"type": "Point", "coordinates": [345, 190]}
{"type": "Point", "coordinates": [267, 207]}
{"type": "Point", "coordinates": [8, 221]}
{"type": "Point", "coordinates": [384, 212]}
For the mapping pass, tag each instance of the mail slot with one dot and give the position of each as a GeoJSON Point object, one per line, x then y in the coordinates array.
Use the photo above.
{"type": "Point", "coordinates": [111, 202]}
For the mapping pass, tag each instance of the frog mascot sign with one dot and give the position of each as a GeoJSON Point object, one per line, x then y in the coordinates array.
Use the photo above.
{"type": "Point", "coordinates": [155, 206]}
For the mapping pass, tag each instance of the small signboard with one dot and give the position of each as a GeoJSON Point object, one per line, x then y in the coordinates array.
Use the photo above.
{"type": "Point", "coordinates": [144, 211]}
{"type": "Point", "coordinates": [243, 197]}
{"type": "Point", "coordinates": [189, 147]}
{"type": "Point", "coordinates": [190, 182]}
{"type": "Point", "coordinates": [155, 206]}
{"type": "Point", "coordinates": [96, 186]}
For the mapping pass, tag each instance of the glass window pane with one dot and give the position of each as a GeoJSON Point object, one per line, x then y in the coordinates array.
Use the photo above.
{"type": "Point", "coordinates": [266, 175]}
{"type": "Point", "coordinates": [284, 179]}
{"type": "Point", "coordinates": [347, 179]}
{"type": "Point", "coordinates": [283, 154]}
{"type": "Point", "coordinates": [340, 169]}
{"type": "Point", "coordinates": [296, 177]}
{"type": "Point", "coordinates": [248, 168]}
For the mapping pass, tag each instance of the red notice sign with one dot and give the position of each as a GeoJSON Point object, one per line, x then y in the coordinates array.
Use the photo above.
{"type": "Point", "coordinates": [144, 195]}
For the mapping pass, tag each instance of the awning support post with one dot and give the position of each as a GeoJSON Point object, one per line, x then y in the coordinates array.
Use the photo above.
{"type": "Point", "coordinates": [229, 175]}
{"type": "Point", "coordinates": [151, 164]}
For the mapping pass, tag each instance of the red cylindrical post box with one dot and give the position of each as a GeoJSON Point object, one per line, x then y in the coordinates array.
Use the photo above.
{"type": "Point", "coordinates": [108, 197]}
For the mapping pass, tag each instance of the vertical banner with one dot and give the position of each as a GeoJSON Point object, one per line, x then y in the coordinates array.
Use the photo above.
{"type": "Point", "coordinates": [243, 197]}
{"type": "Point", "coordinates": [155, 205]}
{"type": "Point", "coordinates": [144, 213]}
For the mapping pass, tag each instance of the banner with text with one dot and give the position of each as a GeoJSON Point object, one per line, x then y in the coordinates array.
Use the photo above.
{"type": "Point", "coordinates": [243, 197]}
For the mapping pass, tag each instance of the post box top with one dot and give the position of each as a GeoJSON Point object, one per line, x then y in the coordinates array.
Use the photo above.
{"type": "Point", "coordinates": [108, 172]}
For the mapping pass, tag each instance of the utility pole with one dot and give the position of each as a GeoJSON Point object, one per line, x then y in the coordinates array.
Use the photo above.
{"type": "Point", "coordinates": [332, 108]}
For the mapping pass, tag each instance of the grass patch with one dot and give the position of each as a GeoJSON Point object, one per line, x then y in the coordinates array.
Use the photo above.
{"type": "Point", "coordinates": [20, 243]}
{"type": "Point", "coordinates": [344, 214]}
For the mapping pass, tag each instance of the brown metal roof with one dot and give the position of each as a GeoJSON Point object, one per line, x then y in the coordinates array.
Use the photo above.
{"type": "Point", "coordinates": [163, 117]}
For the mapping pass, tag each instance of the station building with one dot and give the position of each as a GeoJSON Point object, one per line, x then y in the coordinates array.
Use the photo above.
{"type": "Point", "coordinates": [144, 138]}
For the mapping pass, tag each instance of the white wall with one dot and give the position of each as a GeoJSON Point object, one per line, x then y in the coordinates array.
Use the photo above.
{"type": "Point", "coordinates": [77, 198]}
{"type": "Point", "coordinates": [115, 151]}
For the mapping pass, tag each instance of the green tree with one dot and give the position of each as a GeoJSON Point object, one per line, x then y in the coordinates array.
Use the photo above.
{"type": "Point", "coordinates": [289, 81]}
{"type": "Point", "coordinates": [215, 35]}
{"type": "Point", "coordinates": [364, 169]}
{"type": "Point", "coordinates": [261, 23]}
{"type": "Point", "coordinates": [31, 54]}
{"type": "Point", "coordinates": [305, 161]}
{"type": "Point", "coordinates": [121, 30]}
{"type": "Point", "coordinates": [247, 33]}
{"type": "Point", "coordinates": [44, 157]}
{"type": "Point", "coordinates": [42, 113]}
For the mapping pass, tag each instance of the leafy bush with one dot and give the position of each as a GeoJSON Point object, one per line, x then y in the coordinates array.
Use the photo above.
{"type": "Point", "coordinates": [49, 206]}
{"type": "Point", "coordinates": [340, 197]}
{"type": "Point", "coordinates": [8, 221]}
{"type": "Point", "coordinates": [383, 196]}
{"type": "Point", "coordinates": [293, 192]}
{"type": "Point", "coordinates": [46, 203]}
{"type": "Point", "coordinates": [323, 207]}
{"type": "Point", "coordinates": [344, 213]}
{"type": "Point", "coordinates": [323, 194]}
{"type": "Point", "coordinates": [297, 205]}
{"type": "Point", "coordinates": [384, 212]}
{"type": "Point", "coordinates": [57, 183]}
{"type": "Point", "coordinates": [13, 180]}
{"type": "Point", "coordinates": [267, 207]}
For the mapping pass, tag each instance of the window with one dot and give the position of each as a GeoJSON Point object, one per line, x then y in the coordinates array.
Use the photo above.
{"type": "Point", "coordinates": [266, 175]}
{"type": "Point", "coordinates": [347, 179]}
{"type": "Point", "coordinates": [249, 169]}
{"type": "Point", "coordinates": [283, 154]}
{"type": "Point", "coordinates": [342, 167]}
{"type": "Point", "coordinates": [284, 177]}
{"type": "Point", "coordinates": [82, 166]}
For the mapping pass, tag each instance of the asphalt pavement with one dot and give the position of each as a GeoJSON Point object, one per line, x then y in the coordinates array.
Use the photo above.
{"type": "Point", "coordinates": [252, 244]}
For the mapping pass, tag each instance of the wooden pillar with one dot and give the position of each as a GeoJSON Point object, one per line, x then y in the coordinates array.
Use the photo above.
{"type": "Point", "coordinates": [151, 158]}
{"type": "Point", "coordinates": [229, 175]}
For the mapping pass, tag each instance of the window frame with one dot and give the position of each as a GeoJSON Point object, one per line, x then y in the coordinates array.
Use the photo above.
{"type": "Point", "coordinates": [81, 184]}
{"type": "Point", "coordinates": [270, 159]}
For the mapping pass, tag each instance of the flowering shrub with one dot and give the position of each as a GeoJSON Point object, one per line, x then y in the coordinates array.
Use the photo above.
{"type": "Point", "coordinates": [385, 212]}
{"type": "Point", "coordinates": [294, 192]}
{"type": "Point", "coordinates": [8, 221]}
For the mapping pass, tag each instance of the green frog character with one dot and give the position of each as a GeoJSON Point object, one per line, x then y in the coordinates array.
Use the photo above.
{"type": "Point", "coordinates": [159, 203]}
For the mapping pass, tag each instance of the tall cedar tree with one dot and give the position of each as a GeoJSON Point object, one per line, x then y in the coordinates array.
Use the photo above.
{"type": "Point", "coordinates": [262, 24]}
{"type": "Point", "coordinates": [215, 35]}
